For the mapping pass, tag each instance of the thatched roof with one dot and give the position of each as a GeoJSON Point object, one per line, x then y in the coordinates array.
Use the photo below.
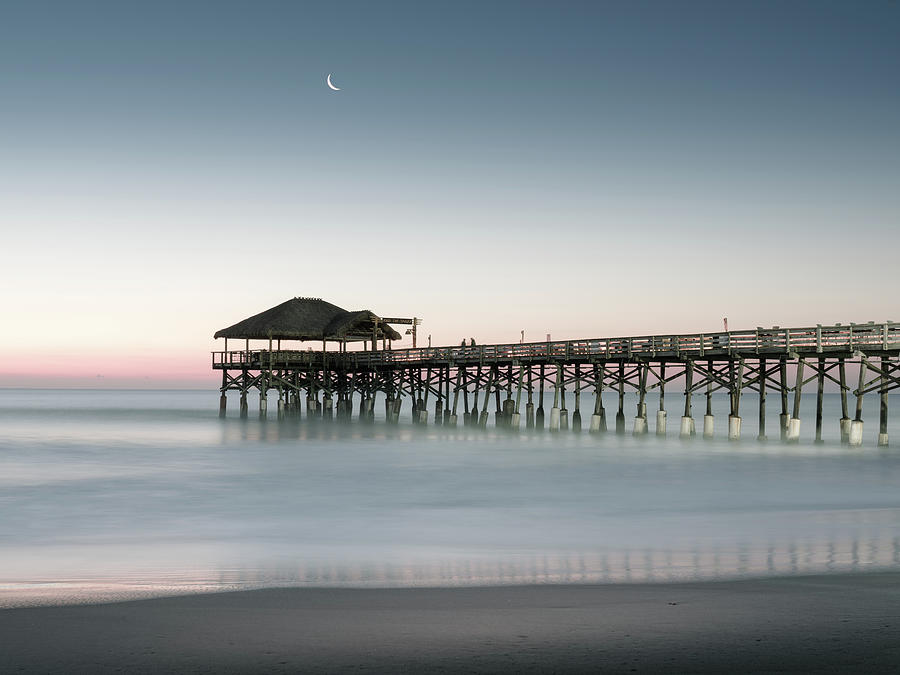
{"type": "Point", "coordinates": [309, 319]}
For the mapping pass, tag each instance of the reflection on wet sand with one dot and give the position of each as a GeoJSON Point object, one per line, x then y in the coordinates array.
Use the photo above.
{"type": "Point", "coordinates": [878, 552]}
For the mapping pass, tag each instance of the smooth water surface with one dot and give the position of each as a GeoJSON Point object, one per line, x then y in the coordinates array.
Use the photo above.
{"type": "Point", "coordinates": [110, 494]}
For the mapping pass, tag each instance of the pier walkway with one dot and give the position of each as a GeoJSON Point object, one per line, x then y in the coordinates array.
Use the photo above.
{"type": "Point", "coordinates": [777, 360]}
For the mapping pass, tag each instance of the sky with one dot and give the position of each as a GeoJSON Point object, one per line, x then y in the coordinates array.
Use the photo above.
{"type": "Point", "coordinates": [580, 169]}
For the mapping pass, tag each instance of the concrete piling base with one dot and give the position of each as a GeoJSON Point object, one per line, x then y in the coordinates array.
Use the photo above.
{"type": "Point", "coordinates": [539, 418]}
{"type": "Point", "coordinates": [554, 419]}
{"type": "Point", "coordinates": [514, 420]}
{"type": "Point", "coordinates": [453, 419]}
{"type": "Point", "coordinates": [640, 426]}
{"type": "Point", "coordinates": [244, 408]}
{"type": "Point", "coordinates": [328, 408]}
{"type": "Point", "coordinates": [595, 424]}
{"type": "Point", "coordinates": [783, 422]}
{"type": "Point", "coordinates": [576, 421]}
{"type": "Point", "coordinates": [734, 428]}
{"type": "Point", "coordinates": [709, 426]}
{"type": "Point", "coordinates": [281, 408]}
{"type": "Point", "coordinates": [845, 429]}
{"type": "Point", "coordinates": [687, 427]}
{"type": "Point", "coordinates": [793, 431]}
{"type": "Point", "coordinates": [660, 422]}
{"type": "Point", "coordinates": [223, 404]}
{"type": "Point", "coordinates": [856, 433]}
{"type": "Point", "coordinates": [563, 419]}
{"type": "Point", "coordinates": [529, 416]}
{"type": "Point", "coordinates": [263, 407]}
{"type": "Point", "coordinates": [620, 423]}
{"type": "Point", "coordinates": [882, 440]}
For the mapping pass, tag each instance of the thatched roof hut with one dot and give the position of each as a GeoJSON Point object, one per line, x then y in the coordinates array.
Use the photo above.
{"type": "Point", "coordinates": [310, 319]}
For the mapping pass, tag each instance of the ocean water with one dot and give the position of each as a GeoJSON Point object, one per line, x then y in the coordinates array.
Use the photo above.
{"type": "Point", "coordinates": [120, 494]}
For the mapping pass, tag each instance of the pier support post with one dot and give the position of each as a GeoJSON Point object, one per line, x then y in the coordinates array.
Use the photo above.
{"type": "Point", "coordinates": [598, 419]}
{"type": "Point", "coordinates": [447, 413]}
{"type": "Point", "coordinates": [563, 413]}
{"type": "Point", "coordinates": [640, 420]}
{"type": "Point", "coordinates": [223, 404]}
{"type": "Point", "coordinates": [263, 405]}
{"type": "Point", "coordinates": [761, 433]}
{"type": "Point", "coordinates": [856, 426]}
{"type": "Point", "coordinates": [554, 419]}
{"type": "Point", "coordinates": [483, 419]}
{"type": "Point", "coordinates": [845, 414]}
{"type": "Point", "coordinates": [734, 428]}
{"type": "Point", "coordinates": [883, 414]}
{"type": "Point", "coordinates": [784, 418]}
{"type": "Point", "coordinates": [661, 413]}
{"type": "Point", "coordinates": [708, 419]}
{"type": "Point", "coordinates": [539, 413]}
{"type": "Point", "coordinates": [473, 413]}
{"type": "Point", "coordinates": [280, 412]}
{"type": "Point", "coordinates": [529, 407]}
{"type": "Point", "coordinates": [576, 415]}
{"type": "Point", "coordinates": [820, 395]}
{"type": "Point", "coordinates": [620, 414]}
{"type": "Point", "coordinates": [327, 407]}
{"type": "Point", "coordinates": [687, 420]}
{"type": "Point", "coordinates": [554, 411]}
{"type": "Point", "coordinates": [244, 408]}
{"type": "Point", "coordinates": [515, 417]}
{"type": "Point", "coordinates": [793, 434]}
{"type": "Point", "coordinates": [734, 419]}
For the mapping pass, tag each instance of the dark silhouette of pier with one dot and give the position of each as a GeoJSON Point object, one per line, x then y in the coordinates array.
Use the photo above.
{"type": "Point", "coordinates": [464, 378]}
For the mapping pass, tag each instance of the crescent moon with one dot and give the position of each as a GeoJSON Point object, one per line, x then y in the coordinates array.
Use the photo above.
{"type": "Point", "coordinates": [331, 86]}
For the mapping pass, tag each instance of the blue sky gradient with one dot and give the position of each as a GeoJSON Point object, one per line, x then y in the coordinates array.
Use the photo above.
{"type": "Point", "coordinates": [581, 169]}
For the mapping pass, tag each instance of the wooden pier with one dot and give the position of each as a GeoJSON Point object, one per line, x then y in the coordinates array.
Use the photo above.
{"type": "Point", "coordinates": [535, 378]}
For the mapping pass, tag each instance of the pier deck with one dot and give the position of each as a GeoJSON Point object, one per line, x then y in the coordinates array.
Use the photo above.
{"type": "Point", "coordinates": [761, 360]}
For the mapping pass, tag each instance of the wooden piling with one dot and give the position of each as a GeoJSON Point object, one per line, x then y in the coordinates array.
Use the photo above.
{"type": "Point", "coordinates": [620, 414]}
{"type": "Point", "coordinates": [856, 426]}
{"type": "Point", "coordinates": [734, 420]}
{"type": "Point", "coordinates": [687, 420]}
{"type": "Point", "coordinates": [539, 415]}
{"type": "Point", "coordinates": [661, 413]}
{"type": "Point", "coordinates": [554, 411]}
{"type": "Point", "coordinates": [708, 419]}
{"type": "Point", "coordinates": [784, 418]}
{"type": "Point", "coordinates": [576, 414]}
{"type": "Point", "coordinates": [793, 434]}
{"type": "Point", "coordinates": [640, 419]}
{"type": "Point", "coordinates": [763, 379]}
{"type": "Point", "coordinates": [529, 406]}
{"type": "Point", "coordinates": [883, 414]}
{"type": "Point", "coordinates": [820, 395]}
{"type": "Point", "coordinates": [598, 420]}
{"type": "Point", "coordinates": [845, 413]}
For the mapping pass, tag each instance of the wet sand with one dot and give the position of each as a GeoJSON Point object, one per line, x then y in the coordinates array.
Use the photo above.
{"type": "Point", "coordinates": [834, 623]}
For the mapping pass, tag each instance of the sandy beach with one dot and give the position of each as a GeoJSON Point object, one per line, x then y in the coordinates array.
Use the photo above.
{"type": "Point", "coordinates": [834, 623]}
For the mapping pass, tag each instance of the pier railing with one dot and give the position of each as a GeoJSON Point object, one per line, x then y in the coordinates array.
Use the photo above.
{"type": "Point", "coordinates": [776, 341]}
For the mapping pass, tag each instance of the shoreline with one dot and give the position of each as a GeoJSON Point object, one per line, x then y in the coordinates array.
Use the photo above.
{"type": "Point", "coordinates": [824, 623]}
